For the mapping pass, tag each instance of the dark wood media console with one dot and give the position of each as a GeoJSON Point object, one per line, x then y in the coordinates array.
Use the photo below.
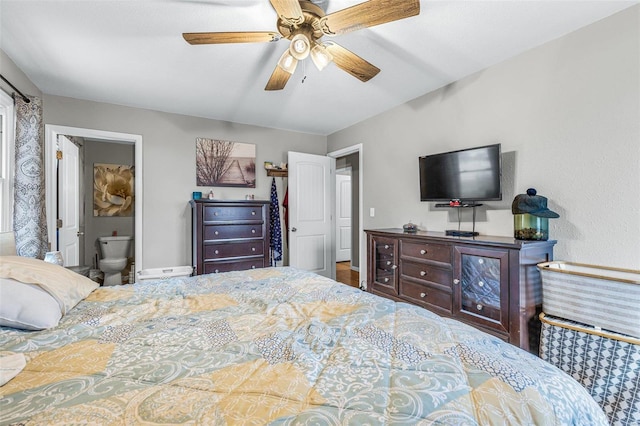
{"type": "Point", "coordinates": [491, 283]}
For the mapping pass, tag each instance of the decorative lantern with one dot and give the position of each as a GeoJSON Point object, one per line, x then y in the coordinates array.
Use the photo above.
{"type": "Point", "coordinates": [531, 216]}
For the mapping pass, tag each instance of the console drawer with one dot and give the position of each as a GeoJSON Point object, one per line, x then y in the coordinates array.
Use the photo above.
{"type": "Point", "coordinates": [427, 273]}
{"type": "Point", "coordinates": [427, 296]}
{"type": "Point", "coordinates": [427, 251]}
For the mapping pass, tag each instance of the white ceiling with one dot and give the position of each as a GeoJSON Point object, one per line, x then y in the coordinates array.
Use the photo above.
{"type": "Point", "coordinates": [132, 53]}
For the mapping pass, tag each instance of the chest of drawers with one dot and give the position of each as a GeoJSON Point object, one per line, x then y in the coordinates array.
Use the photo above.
{"type": "Point", "coordinates": [229, 235]}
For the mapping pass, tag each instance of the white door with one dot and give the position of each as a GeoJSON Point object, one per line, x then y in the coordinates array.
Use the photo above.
{"type": "Point", "coordinates": [343, 217]}
{"type": "Point", "coordinates": [311, 207]}
{"type": "Point", "coordinates": [69, 201]}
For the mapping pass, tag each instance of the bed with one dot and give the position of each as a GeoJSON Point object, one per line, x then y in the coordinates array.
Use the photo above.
{"type": "Point", "coordinates": [272, 346]}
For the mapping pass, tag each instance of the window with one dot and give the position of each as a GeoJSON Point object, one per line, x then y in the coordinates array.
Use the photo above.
{"type": "Point", "coordinates": [7, 129]}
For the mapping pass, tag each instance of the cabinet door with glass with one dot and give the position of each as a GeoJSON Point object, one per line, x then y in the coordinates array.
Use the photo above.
{"type": "Point", "coordinates": [384, 267]}
{"type": "Point", "coordinates": [481, 287]}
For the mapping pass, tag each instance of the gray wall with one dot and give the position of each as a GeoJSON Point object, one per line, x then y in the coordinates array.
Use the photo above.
{"type": "Point", "coordinates": [11, 72]}
{"type": "Point", "coordinates": [169, 164]}
{"type": "Point", "coordinates": [568, 116]}
{"type": "Point", "coordinates": [94, 227]}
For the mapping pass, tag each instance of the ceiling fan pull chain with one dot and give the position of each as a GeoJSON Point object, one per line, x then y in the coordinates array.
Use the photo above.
{"type": "Point", "coordinates": [304, 72]}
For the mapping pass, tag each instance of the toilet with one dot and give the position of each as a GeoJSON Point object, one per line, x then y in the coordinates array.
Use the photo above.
{"type": "Point", "coordinates": [114, 252]}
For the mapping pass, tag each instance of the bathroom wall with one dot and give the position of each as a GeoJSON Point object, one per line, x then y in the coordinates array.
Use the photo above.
{"type": "Point", "coordinates": [97, 226]}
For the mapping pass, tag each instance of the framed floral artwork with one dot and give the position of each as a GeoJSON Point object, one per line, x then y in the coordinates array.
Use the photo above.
{"type": "Point", "coordinates": [113, 190]}
{"type": "Point", "coordinates": [225, 163]}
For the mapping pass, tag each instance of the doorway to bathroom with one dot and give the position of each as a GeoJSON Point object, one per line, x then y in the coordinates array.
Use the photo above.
{"type": "Point", "coordinates": [97, 148]}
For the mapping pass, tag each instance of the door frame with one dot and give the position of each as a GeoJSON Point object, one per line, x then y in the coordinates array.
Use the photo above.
{"type": "Point", "coordinates": [50, 139]}
{"type": "Point", "coordinates": [362, 255]}
{"type": "Point", "coordinates": [344, 171]}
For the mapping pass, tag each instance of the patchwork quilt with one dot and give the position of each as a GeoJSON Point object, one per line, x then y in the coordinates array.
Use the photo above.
{"type": "Point", "coordinates": [275, 346]}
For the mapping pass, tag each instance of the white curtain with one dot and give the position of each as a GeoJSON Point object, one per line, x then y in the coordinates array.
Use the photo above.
{"type": "Point", "coordinates": [29, 213]}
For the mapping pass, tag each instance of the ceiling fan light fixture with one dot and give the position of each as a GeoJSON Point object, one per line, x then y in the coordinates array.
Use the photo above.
{"type": "Point", "coordinates": [300, 46]}
{"type": "Point", "coordinates": [320, 56]}
{"type": "Point", "coordinates": [287, 62]}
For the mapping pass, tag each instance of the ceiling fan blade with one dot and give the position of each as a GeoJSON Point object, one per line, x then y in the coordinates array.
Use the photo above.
{"type": "Point", "coordinates": [368, 14]}
{"type": "Point", "coordinates": [288, 10]}
{"type": "Point", "coordinates": [230, 37]}
{"type": "Point", "coordinates": [348, 61]}
{"type": "Point", "coordinates": [278, 79]}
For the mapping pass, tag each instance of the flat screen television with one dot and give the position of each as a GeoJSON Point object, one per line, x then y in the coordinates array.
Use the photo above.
{"type": "Point", "coordinates": [468, 175]}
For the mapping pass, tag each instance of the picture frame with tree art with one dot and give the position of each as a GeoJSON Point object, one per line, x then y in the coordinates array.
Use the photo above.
{"type": "Point", "coordinates": [225, 163]}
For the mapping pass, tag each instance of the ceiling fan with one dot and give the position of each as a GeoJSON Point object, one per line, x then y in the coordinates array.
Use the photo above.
{"type": "Point", "coordinates": [304, 23]}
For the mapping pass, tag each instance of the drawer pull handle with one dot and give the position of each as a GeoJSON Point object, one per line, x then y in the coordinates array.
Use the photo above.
{"type": "Point", "coordinates": [216, 271]}
{"type": "Point", "coordinates": [216, 233]}
{"type": "Point", "coordinates": [479, 307]}
{"type": "Point", "coordinates": [423, 295]}
{"type": "Point", "coordinates": [456, 281]}
{"type": "Point", "coordinates": [253, 249]}
{"type": "Point", "coordinates": [215, 213]}
{"type": "Point", "coordinates": [423, 273]}
{"type": "Point", "coordinates": [253, 213]}
{"type": "Point", "coordinates": [253, 266]}
{"type": "Point", "coordinates": [216, 252]}
{"type": "Point", "coordinates": [423, 251]}
{"type": "Point", "coordinates": [481, 261]}
{"type": "Point", "coordinates": [480, 284]}
{"type": "Point", "coordinates": [386, 246]}
{"type": "Point", "coordinates": [388, 262]}
{"type": "Point", "coordinates": [253, 231]}
{"type": "Point", "coordinates": [386, 280]}
{"type": "Point", "coordinates": [394, 267]}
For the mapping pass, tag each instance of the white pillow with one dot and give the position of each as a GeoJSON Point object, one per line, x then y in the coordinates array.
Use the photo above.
{"type": "Point", "coordinates": [66, 286]}
{"type": "Point", "coordinates": [27, 306]}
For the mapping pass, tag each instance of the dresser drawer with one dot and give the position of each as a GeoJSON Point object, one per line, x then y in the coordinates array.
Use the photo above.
{"type": "Point", "coordinates": [427, 273]}
{"type": "Point", "coordinates": [222, 251]}
{"type": "Point", "coordinates": [224, 232]}
{"type": "Point", "coordinates": [426, 251]}
{"type": "Point", "coordinates": [427, 296]}
{"type": "Point", "coordinates": [215, 267]}
{"type": "Point", "coordinates": [229, 213]}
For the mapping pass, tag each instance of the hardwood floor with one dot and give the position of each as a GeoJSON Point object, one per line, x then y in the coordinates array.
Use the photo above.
{"type": "Point", "coordinates": [345, 275]}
